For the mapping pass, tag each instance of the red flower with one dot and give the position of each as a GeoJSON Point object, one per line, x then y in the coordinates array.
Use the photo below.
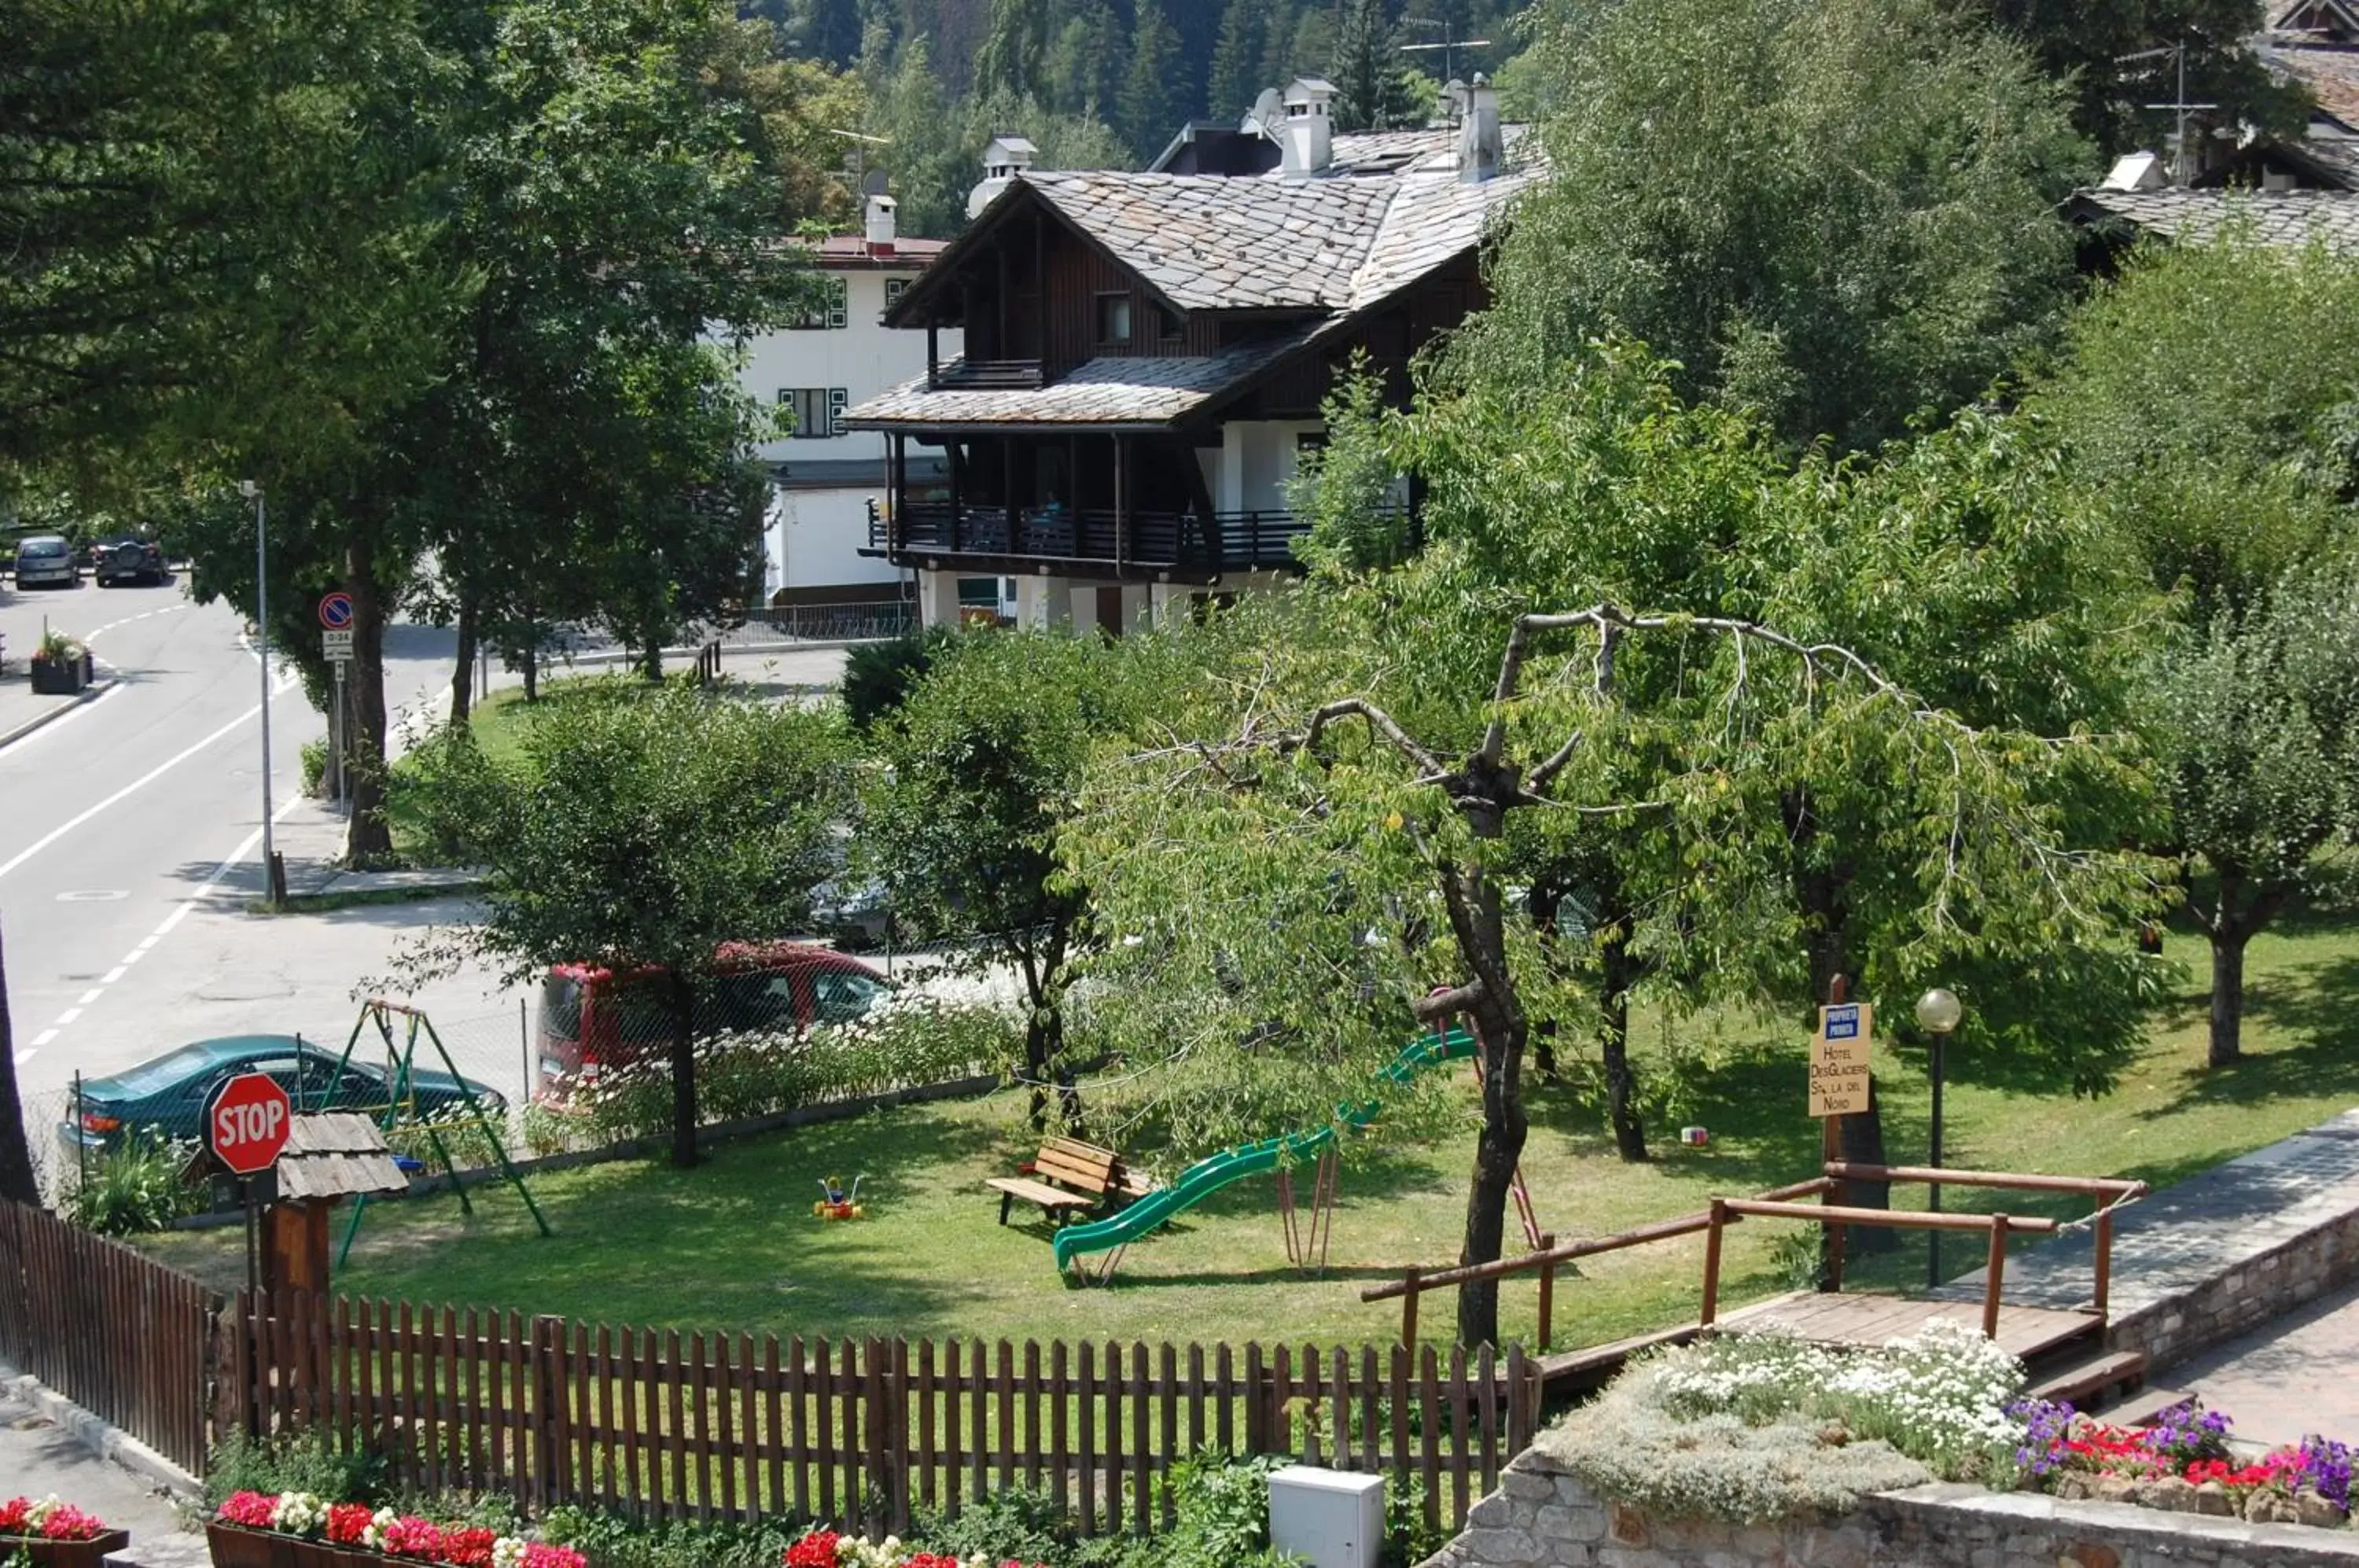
{"type": "Point", "coordinates": [537, 1554]}
{"type": "Point", "coordinates": [67, 1522]}
{"type": "Point", "coordinates": [468, 1548]}
{"type": "Point", "coordinates": [347, 1522]}
{"type": "Point", "coordinates": [410, 1536]}
{"type": "Point", "coordinates": [14, 1514]}
{"type": "Point", "coordinates": [816, 1550]}
{"type": "Point", "coordinates": [251, 1509]}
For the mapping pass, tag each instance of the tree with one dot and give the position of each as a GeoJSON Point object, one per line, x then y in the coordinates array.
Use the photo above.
{"type": "Point", "coordinates": [2115, 53]}
{"type": "Point", "coordinates": [1369, 92]}
{"type": "Point", "coordinates": [1839, 214]}
{"type": "Point", "coordinates": [2256, 719]}
{"type": "Point", "coordinates": [1154, 99]}
{"type": "Point", "coordinates": [984, 764]}
{"type": "Point", "coordinates": [17, 1182]}
{"type": "Point", "coordinates": [1236, 81]}
{"type": "Point", "coordinates": [643, 829]}
{"type": "Point", "coordinates": [1015, 50]}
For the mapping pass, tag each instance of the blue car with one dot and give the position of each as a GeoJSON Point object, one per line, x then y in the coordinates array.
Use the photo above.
{"type": "Point", "coordinates": [165, 1098]}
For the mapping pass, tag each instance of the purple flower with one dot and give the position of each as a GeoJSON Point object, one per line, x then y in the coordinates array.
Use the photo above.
{"type": "Point", "coordinates": [2326, 1470]}
{"type": "Point", "coordinates": [2046, 1424]}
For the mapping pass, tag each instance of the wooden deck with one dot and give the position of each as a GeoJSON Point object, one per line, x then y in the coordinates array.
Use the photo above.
{"type": "Point", "coordinates": [2028, 1332]}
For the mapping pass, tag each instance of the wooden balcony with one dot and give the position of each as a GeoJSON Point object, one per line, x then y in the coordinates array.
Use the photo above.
{"type": "Point", "coordinates": [1177, 545]}
{"type": "Point", "coordinates": [987, 376]}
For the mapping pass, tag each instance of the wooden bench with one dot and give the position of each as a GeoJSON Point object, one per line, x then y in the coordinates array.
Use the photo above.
{"type": "Point", "coordinates": [1067, 1176]}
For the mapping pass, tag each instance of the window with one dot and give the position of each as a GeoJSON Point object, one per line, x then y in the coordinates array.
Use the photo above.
{"type": "Point", "coordinates": [1113, 318]}
{"type": "Point", "coordinates": [831, 309]}
{"type": "Point", "coordinates": [1168, 324]}
{"type": "Point", "coordinates": [817, 412]}
{"type": "Point", "coordinates": [838, 998]}
{"type": "Point", "coordinates": [894, 288]}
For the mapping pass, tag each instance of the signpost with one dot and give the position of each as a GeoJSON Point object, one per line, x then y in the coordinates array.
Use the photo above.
{"type": "Point", "coordinates": [1839, 1058]}
{"type": "Point", "coordinates": [246, 1121]}
{"type": "Point", "coordinates": [336, 646]}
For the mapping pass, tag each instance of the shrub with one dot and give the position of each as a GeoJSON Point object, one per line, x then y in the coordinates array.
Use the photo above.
{"type": "Point", "coordinates": [613, 1542]}
{"type": "Point", "coordinates": [302, 1464]}
{"type": "Point", "coordinates": [134, 1187]}
{"type": "Point", "coordinates": [315, 766]}
{"type": "Point", "coordinates": [1013, 1523]}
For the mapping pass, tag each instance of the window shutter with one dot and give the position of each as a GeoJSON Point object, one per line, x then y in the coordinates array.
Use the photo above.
{"type": "Point", "coordinates": [839, 302]}
{"type": "Point", "coordinates": [836, 402]}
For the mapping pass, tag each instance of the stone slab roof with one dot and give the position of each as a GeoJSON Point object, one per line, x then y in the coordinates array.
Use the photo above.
{"type": "Point", "coordinates": [1110, 391]}
{"type": "Point", "coordinates": [336, 1155]}
{"type": "Point", "coordinates": [2280, 218]}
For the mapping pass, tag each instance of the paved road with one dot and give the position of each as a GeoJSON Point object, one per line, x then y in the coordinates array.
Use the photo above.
{"type": "Point", "coordinates": [120, 820]}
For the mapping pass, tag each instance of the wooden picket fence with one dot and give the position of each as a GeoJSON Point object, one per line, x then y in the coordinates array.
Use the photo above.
{"type": "Point", "coordinates": [117, 1333]}
{"type": "Point", "coordinates": [854, 1433]}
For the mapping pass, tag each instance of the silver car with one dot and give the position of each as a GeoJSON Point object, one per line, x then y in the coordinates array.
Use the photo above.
{"type": "Point", "coordinates": [45, 557]}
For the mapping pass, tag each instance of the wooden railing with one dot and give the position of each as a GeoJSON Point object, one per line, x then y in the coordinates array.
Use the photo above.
{"type": "Point", "coordinates": [1227, 542]}
{"type": "Point", "coordinates": [854, 1433]}
{"type": "Point", "coordinates": [987, 376]}
{"type": "Point", "coordinates": [119, 1334]}
{"type": "Point", "coordinates": [1834, 1219]}
{"type": "Point", "coordinates": [1545, 1259]}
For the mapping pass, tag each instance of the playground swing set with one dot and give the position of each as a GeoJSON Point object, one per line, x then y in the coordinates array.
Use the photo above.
{"type": "Point", "coordinates": [401, 1097]}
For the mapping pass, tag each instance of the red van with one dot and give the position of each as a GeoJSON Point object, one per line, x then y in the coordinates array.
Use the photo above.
{"type": "Point", "coordinates": [592, 1018]}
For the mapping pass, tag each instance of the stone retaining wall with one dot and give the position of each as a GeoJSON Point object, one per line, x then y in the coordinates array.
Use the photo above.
{"type": "Point", "coordinates": [2251, 1292]}
{"type": "Point", "coordinates": [1543, 1517]}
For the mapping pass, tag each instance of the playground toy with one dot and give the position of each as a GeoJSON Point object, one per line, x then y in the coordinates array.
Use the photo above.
{"type": "Point", "coordinates": [837, 1204]}
{"type": "Point", "coordinates": [1215, 1171]}
{"type": "Point", "coordinates": [1694, 1136]}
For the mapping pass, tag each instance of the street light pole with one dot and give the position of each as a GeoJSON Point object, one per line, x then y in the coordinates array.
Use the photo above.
{"type": "Point", "coordinates": [253, 492]}
{"type": "Point", "coordinates": [1937, 1011]}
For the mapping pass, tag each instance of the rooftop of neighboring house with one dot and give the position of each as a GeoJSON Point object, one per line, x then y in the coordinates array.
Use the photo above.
{"type": "Point", "coordinates": [1308, 232]}
{"type": "Point", "coordinates": [2277, 217]}
{"type": "Point", "coordinates": [854, 253]}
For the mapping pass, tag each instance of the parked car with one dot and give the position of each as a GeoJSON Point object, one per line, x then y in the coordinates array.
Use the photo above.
{"type": "Point", "coordinates": [47, 559]}
{"type": "Point", "coordinates": [166, 1096]}
{"type": "Point", "coordinates": [127, 558]}
{"type": "Point", "coordinates": [592, 1019]}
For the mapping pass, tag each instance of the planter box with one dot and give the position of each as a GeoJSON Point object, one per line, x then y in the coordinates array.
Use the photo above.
{"type": "Point", "coordinates": [54, 680]}
{"type": "Point", "coordinates": [64, 1553]}
{"type": "Point", "coordinates": [233, 1547]}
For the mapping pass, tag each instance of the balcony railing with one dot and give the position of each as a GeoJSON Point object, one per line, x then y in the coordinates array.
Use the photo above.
{"type": "Point", "coordinates": [988, 375]}
{"type": "Point", "coordinates": [1231, 541]}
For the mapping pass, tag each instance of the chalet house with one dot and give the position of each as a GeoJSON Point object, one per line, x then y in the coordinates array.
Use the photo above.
{"type": "Point", "coordinates": [1145, 354]}
{"type": "Point", "coordinates": [823, 475]}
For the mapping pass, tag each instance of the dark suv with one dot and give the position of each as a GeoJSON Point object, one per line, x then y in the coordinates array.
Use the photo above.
{"type": "Point", "coordinates": [127, 559]}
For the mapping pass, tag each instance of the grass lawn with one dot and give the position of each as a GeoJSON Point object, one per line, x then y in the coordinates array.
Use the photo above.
{"type": "Point", "coordinates": [733, 1245]}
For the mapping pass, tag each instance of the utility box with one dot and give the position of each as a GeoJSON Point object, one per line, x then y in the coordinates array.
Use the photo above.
{"type": "Point", "coordinates": [1332, 1518]}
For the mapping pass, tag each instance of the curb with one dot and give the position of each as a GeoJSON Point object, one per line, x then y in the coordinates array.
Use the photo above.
{"type": "Point", "coordinates": [109, 1442]}
{"type": "Point", "coordinates": [89, 695]}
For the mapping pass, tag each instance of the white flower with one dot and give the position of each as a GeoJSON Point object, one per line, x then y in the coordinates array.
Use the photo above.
{"type": "Point", "coordinates": [298, 1513]}
{"type": "Point", "coordinates": [38, 1514]}
{"type": "Point", "coordinates": [507, 1551]}
{"type": "Point", "coordinates": [379, 1523]}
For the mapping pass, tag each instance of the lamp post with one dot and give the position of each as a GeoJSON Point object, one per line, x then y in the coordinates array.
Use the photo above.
{"type": "Point", "coordinates": [1937, 1012]}
{"type": "Point", "coordinates": [253, 492]}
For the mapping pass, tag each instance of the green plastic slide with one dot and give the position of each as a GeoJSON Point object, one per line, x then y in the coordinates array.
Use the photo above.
{"type": "Point", "coordinates": [1215, 1171]}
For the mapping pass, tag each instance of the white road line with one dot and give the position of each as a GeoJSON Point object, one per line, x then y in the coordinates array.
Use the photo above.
{"type": "Point", "coordinates": [130, 958]}
{"type": "Point", "coordinates": [44, 1037]}
{"type": "Point", "coordinates": [128, 789]}
{"type": "Point", "coordinates": [67, 1017]}
{"type": "Point", "coordinates": [93, 995]}
{"type": "Point", "coordinates": [112, 975]}
{"type": "Point", "coordinates": [145, 943]}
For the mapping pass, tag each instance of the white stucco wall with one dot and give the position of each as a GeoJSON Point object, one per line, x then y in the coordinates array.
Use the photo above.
{"type": "Point", "coordinates": [815, 539]}
{"type": "Point", "coordinates": [1257, 459]}
{"type": "Point", "coordinates": [862, 356]}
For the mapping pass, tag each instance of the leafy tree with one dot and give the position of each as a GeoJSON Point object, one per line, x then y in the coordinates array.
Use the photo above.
{"type": "Point", "coordinates": [1840, 214]}
{"type": "Point", "coordinates": [1154, 99]}
{"type": "Point", "coordinates": [1236, 80]}
{"type": "Point", "coordinates": [984, 764]}
{"type": "Point", "coordinates": [2111, 52]}
{"type": "Point", "coordinates": [2256, 720]}
{"type": "Point", "coordinates": [643, 829]}
{"type": "Point", "coordinates": [879, 676]}
{"type": "Point", "coordinates": [2218, 492]}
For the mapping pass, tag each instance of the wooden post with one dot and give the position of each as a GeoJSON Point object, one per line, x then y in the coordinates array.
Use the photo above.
{"type": "Point", "coordinates": [1547, 1289]}
{"type": "Point", "coordinates": [1992, 1274]}
{"type": "Point", "coordinates": [1711, 1262]}
{"type": "Point", "coordinates": [1830, 1236]}
{"type": "Point", "coordinates": [2105, 1261]}
{"type": "Point", "coordinates": [1409, 1310]}
{"type": "Point", "coordinates": [549, 1397]}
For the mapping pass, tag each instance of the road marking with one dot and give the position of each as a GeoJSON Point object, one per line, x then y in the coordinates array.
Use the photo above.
{"type": "Point", "coordinates": [92, 995]}
{"type": "Point", "coordinates": [117, 972]}
{"type": "Point", "coordinates": [147, 942]}
{"type": "Point", "coordinates": [128, 789]}
{"type": "Point", "coordinates": [93, 896]}
{"type": "Point", "coordinates": [130, 958]}
{"type": "Point", "coordinates": [67, 1017]}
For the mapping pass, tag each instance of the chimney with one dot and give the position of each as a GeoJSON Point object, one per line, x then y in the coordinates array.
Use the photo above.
{"type": "Point", "coordinates": [1309, 128]}
{"type": "Point", "coordinates": [2136, 171]}
{"type": "Point", "coordinates": [881, 226]}
{"type": "Point", "coordinates": [1480, 143]}
{"type": "Point", "coordinates": [1003, 161]}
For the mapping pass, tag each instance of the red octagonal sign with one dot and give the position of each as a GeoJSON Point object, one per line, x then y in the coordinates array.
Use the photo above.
{"type": "Point", "coordinates": [246, 1122]}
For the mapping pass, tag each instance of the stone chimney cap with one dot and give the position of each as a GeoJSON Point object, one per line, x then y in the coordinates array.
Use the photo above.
{"type": "Point", "coordinates": [1018, 148]}
{"type": "Point", "coordinates": [1308, 89]}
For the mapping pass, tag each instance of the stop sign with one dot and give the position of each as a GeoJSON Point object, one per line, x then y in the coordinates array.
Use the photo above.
{"type": "Point", "coordinates": [246, 1122]}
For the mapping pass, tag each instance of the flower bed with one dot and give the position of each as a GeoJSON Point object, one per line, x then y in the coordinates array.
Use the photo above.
{"type": "Point", "coordinates": [296, 1529]}
{"type": "Point", "coordinates": [2183, 1464]}
{"type": "Point", "coordinates": [53, 1534]}
{"type": "Point", "coordinates": [829, 1548]}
